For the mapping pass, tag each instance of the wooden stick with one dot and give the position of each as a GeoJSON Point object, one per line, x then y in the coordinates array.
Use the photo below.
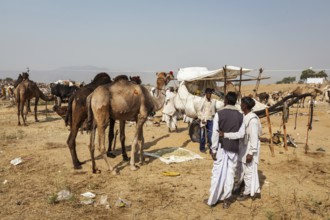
{"type": "Point", "coordinates": [240, 83]}
{"type": "Point", "coordinates": [284, 132]}
{"type": "Point", "coordinates": [225, 80]}
{"type": "Point", "coordinates": [308, 127]}
{"type": "Point", "coordinates": [271, 147]}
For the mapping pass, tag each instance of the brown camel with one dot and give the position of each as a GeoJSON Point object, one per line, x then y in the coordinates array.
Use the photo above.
{"type": "Point", "coordinates": [137, 80]}
{"type": "Point", "coordinates": [302, 90]}
{"type": "Point", "coordinates": [123, 100]}
{"type": "Point", "coordinates": [25, 91]}
{"type": "Point", "coordinates": [77, 112]}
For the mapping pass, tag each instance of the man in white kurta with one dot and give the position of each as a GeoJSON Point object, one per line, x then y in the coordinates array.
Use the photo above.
{"type": "Point", "coordinates": [248, 156]}
{"type": "Point", "coordinates": [169, 111]}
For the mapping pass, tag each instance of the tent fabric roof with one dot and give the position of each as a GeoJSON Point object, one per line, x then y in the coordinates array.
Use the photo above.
{"type": "Point", "coordinates": [202, 73]}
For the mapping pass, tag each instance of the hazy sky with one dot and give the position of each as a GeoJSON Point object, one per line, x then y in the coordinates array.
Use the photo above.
{"type": "Point", "coordinates": [151, 35]}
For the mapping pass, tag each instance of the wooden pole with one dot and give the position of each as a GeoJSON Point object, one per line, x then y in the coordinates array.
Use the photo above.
{"type": "Point", "coordinates": [284, 132]}
{"type": "Point", "coordinates": [284, 117]}
{"type": "Point", "coordinates": [308, 126]}
{"type": "Point", "coordinates": [258, 82]}
{"type": "Point", "coordinates": [225, 80]}
{"type": "Point", "coordinates": [240, 83]}
{"type": "Point", "coordinates": [271, 147]}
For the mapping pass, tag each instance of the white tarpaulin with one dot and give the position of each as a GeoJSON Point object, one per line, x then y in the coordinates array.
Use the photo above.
{"type": "Point", "coordinates": [174, 155]}
{"type": "Point", "coordinates": [202, 73]}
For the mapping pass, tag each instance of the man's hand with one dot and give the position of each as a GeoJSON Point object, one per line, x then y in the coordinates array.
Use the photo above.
{"type": "Point", "coordinates": [221, 134]}
{"type": "Point", "coordinates": [213, 155]}
{"type": "Point", "coordinates": [249, 158]}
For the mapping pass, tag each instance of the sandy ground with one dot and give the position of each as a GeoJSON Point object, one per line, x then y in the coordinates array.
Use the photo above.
{"type": "Point", "coordinates": [294, 185]}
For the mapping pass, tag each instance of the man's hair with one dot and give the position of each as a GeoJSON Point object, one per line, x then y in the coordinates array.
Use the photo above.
{"type": "Point", "coordinates": [231, 98]}
{"type": "Point", "coordinates": [208, 90]}
{"type": "Point", "coordinates": [249, 102]}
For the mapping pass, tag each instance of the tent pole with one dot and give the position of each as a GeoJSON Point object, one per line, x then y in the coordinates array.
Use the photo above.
{"type": "Point", "coordinates": [240, 84]}
{"type": "Point", "coordinates": [258, 82]}
{"type": "Point", "coordinates": [225, 80]}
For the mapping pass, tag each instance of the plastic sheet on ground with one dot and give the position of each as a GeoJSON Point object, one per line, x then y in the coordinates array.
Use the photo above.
{"type": "Point", "coordinates": [174, 155]}
{"type": "Point", "coordinates": [16, 161]}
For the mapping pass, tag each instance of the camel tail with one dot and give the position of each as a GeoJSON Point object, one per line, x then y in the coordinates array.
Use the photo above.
{"type": "Point", "coordinates": [89, 112]}
{"type": "Point", "coordinates": [68, 115]}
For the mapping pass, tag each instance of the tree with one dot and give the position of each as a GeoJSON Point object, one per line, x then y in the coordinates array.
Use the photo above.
{"type": "Point", "coordinates": [9, 79]}
{"type": "Point", "coordinates": [286, 80]}
{"type": "Point", "coordinates": [309, 73]}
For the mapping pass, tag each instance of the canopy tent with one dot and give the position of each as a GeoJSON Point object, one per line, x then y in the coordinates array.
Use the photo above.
{"type": "Point", "coordinates": [202, 73]}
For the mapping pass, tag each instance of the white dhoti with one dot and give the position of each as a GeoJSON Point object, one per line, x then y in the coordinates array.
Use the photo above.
{"type": "Point", "coordinates": [251, 178]}
{"type": "Point", "coordinates": [171, 121]}
{"type": "Point", "coordinates": [223, 173]}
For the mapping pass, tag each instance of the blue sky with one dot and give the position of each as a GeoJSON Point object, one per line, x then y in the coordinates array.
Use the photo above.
{"type": "Point", "coordinates": [151, 36]}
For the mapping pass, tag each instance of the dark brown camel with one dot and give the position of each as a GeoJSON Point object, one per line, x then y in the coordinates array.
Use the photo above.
{"type": "Point", "coordinates": [25, 91]}
{"type": "Point", "coordinates": [123, 100]}
{"type": "Point", "coordinates": [77, 112]}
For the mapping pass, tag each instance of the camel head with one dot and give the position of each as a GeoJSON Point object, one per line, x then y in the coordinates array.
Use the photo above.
{"type": "Point", "coordinates": [163, 79]}
{"type": "Point", "coordinates": [25, 75]}
{"type": "Point", "coordinates": [135, 79]}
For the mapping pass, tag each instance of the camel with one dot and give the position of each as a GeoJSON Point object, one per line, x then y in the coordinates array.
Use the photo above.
{"type": "Point", "coordinates": [77, 112]}
{"type": "Point", "coordinates": [303, 90]}
{"type": "Point", "coordinates": [25, 91]}
{"type": "Point", "coordinates": [123, 100]}
{"type": "Point", "coordinates": [134, 79]}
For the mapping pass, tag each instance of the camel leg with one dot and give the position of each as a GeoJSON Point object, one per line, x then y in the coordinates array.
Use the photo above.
{"type": "Point", "coordinates": [36, 109]}
{"type": "Point", "coordinates": [72, 146]}
{"type": "Point", "coordinates": [92, 149]}
{"type": "Point", "coordinates": [141, 145]}
{"type": "Point", "coordinates": [137, 140]}
{"type": "Point", "coordinates": [59, 101]}
{"type": "Point", "coordinates": [111, 137]}
{"type": "Point", "coordinates": [28, 108]}
{"type": "Point", "coordinates": [134, 145]}
{"type": "Point", "coordinates": [101, 134]}
{"type": "Point", "coordinates": [122, 140]}
{"type": "Point", "coordinates": [24, 112]}
{"type": "Point", "coordinates": [18, 113]}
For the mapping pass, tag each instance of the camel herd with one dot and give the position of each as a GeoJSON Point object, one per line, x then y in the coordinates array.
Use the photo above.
{"type": "Point", "coordinates": [97, 105]}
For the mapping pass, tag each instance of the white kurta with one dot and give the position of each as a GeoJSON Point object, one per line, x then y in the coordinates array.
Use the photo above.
{"type": "Point", "coordinates": [169, 111]}
{"type": "Point", "coordinates": [249, 144]}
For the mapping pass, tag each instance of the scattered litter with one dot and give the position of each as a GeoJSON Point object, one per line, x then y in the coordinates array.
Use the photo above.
{"type": "Point", "coordinates": [174, 155]}
{"type": "Point", "coordinates": [320, 149]}
{"type": "Point", "coordinates": [266, 182]}
{"type": "Point", "coordinates": [123, 203]}
{"type": "Point", "coordinates": [63, 195]}
{"type": "Point", "coordinates": [88, 195]}
{"type": "Point", "coordinates": [87, 201]}
{"type": "Point", "coordinates": [103, 201]}
{"type": "Point", "coordinates": [88, 198]}
{"type": "Point", "coordinates": [5, 182]}
{"type": "Point", "coordinates": [16, 161]}
{"type": "Point", "coordinates": [168, 173]}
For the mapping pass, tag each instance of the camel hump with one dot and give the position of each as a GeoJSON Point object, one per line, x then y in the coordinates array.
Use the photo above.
{"type": "Point", "coordinates": [120, 77]}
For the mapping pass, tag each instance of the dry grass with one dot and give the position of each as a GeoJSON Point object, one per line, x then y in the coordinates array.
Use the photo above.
{"type": "Point", "coordinates": [294, 185]}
